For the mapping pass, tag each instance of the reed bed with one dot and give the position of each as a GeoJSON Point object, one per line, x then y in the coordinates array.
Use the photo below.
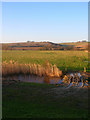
{"type": "Point", "coordinates": [14, 68]}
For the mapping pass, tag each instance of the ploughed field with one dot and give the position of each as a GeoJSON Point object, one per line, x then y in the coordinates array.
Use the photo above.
{"type": "Point", "coordinates": [71, 60]}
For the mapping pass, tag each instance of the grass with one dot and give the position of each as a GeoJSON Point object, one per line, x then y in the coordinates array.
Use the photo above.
{"type": "Point", "coordinates": [72, 60]}
{"type": "Point", "coordinates": [31, 100]}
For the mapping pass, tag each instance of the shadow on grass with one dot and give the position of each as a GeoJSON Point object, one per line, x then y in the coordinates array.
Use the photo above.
{"type": "Point", "coordinates": [32, 100]}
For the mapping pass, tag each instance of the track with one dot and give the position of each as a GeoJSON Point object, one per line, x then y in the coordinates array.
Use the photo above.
{"type": "Point", "coordinates": [75, 80]}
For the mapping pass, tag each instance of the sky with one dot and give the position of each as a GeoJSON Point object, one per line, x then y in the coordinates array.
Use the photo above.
{"type": "Point", "coordinates": [44, 21]}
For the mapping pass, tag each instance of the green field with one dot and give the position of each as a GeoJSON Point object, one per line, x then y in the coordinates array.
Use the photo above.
{"type": "Point", "coordinates": [32, 100]}
{"type": "Point", "coordinates": [35, 100]}
{"type": "Point", "coordinates": [73, 60]}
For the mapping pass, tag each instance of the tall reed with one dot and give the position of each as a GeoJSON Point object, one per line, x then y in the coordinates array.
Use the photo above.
{"type": "Point", "coordinates": [14, 68]}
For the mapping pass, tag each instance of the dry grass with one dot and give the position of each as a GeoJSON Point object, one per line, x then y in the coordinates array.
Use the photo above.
{"type": "Point", "coordinates": [14, 68]}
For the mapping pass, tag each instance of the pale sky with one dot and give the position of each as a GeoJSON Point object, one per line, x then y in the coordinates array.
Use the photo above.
{"type": "Point", "coordinates": [44, 21]}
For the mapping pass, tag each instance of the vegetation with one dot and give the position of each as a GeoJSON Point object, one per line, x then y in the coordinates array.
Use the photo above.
{"type": "Point", "coordinates": [13, 68]}
{"type": "Point", "coordinates": [31, 100]}
{"type": "Point", "coordinates": [72, 60]}
{"type": "Point", "coordinates": [45, 46]}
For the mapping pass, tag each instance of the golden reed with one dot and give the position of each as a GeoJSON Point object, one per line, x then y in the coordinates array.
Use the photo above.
{"type": "Point", "coordinates": [14, 68]}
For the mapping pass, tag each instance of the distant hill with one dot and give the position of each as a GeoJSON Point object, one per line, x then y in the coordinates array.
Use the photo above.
{"type": "Point", "coordinates": [31, 46]}
{"type": "Point", "coordinates": [45, 46]}
{"type": "Point", "coordinates": [78, 45]}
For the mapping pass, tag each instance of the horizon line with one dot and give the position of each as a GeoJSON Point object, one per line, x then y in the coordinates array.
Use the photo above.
{"type": "Point", "coordinates": [44, 41]}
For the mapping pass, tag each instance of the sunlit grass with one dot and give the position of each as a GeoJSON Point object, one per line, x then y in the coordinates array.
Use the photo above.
{"type": "Point", "coordinates": [73, 60]}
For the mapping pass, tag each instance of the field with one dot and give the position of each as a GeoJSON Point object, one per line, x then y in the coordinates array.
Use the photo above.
{"type": "Point", "coordinates": [31, 100]}
{"type": "Point", "coordinates": [76, 43]}
{"type": "Point", "coordinates": [35, 100]}
{"type": "Point", "coordinates": [45, 46]}
{"type": "Point", "coordinates": [72, 60]}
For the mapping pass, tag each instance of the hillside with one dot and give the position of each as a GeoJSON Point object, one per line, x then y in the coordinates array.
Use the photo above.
{"type": "Point", "coordinates": [45, 46]}
{"type": "Point", "coordinates": [78, 45]}
{"type": "Point", "coordinates": [32, 46]}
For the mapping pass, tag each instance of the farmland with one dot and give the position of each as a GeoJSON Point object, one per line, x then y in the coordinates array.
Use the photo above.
{"type": "Point", "coordinates": [44, 67]}
{"type": "Point", "coordinates": [72, 60]}
{"type": "Point", "coordinates": [45, 46]}
{"type": "Point", "coordinates": [35, 100]}
{"type": "Point", "coordinates": [32, 100]}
